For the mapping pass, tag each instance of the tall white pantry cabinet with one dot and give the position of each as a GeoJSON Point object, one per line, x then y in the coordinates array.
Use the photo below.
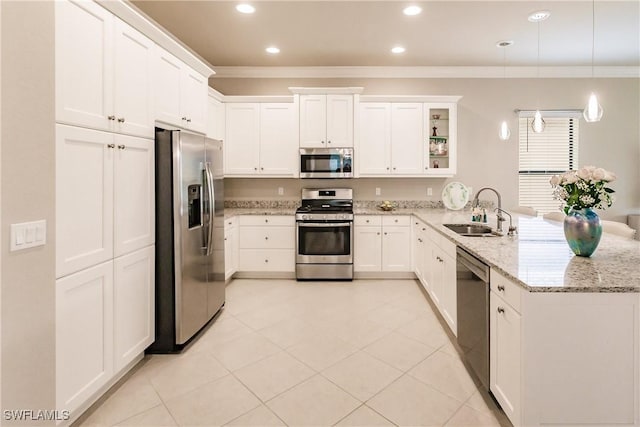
{"type": "Point", "coordinates": [105, 117]}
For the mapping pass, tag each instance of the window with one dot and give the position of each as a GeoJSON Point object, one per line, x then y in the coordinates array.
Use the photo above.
{"type": "Point", "coordinates": [542, 155]}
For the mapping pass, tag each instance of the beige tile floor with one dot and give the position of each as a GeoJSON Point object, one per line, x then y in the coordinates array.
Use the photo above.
{"type": "Point", "coordinates": [362, 353]}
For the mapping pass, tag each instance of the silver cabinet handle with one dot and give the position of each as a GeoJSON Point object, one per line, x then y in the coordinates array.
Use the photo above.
{"type": "Point", "coordinates": [500, 310]}
{"type": "Point", "coordinates": [111, 145]}
{"type": "Point", "coordinates": [501, 288]}
{"type": "Point", "coordinates": [120, 119]}
{"type": "Point", "coordinates": [121, 147]}
{"type": "Point", "coordinates": [112, 117]}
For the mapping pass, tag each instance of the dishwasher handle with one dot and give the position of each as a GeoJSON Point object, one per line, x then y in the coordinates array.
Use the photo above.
{"type": "Point", "coordinates": [478, 268]}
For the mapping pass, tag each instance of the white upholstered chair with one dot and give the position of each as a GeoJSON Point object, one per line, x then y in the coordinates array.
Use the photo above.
{"type": "Point", "coordinates": [525, 210]}
{"type": "Point", "coordinates": [617, 228]}
{"type": "Point", "coordinates": [554, 216]}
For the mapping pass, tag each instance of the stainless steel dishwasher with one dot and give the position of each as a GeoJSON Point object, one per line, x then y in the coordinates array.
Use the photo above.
{"type": "Point", "coordinates": [473, 313]}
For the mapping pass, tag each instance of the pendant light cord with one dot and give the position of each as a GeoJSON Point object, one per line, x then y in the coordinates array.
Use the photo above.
{"type": "Point", "coordinates": [593, 34]}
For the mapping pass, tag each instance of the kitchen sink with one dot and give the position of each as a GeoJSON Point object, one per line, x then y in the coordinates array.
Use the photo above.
{"type": "Point", "coordinates": [472, 230]}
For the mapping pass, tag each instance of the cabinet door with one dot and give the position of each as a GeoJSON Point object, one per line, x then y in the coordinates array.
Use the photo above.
{"type": "Point", "coordinates": [449, 308]}
{"type": "Point", "coordinates": [134, 194]}
{"type": "Point", "coordinates": [313, 121]}
{"type": "Point", "coordinates": [339, 121]}
{"type": "Point", "coordinates": [441, 152]}
{"type": "Point", "coordinates": [504, 339]}
{"type": "Point", "coordinates": [215, 119]}
{"type": "Point", "coordinates": [193, 100]}
{"type": "Point", "coordinates": [278, 143]}
{"type": "Point", "coordinates": [133, 85]}
{"type": "Point", "coordinates": [374, 152]}
{"type": "Point", "coordinates": [168, 75]}
{"type": "Point", "coordinates": [396, 248]}
{"type": "Point", "coordinates": [241, 151]}
{"type": "Point", "coordinates": [134, 305]}
{"type": "Point", "coordinates": [406, 139]}
{"type": "Point", "coordinates": [84, 334]}
{"type": "Point", "coordinates": [367, 249]}
{"type": "Point", "coordinates": [84, 198]}
{"type": "Point", "coordinates": [436, 275]}
{"type": "Point", "coordinates": [84, 58]}
{"type": "Point", "coordinates": [417, 252]}
{"type": "Point", "coordinates": [230, 249]}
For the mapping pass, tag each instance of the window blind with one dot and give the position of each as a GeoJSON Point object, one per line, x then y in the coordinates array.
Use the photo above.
{"type": "Point", "coordinates": [542, 155]}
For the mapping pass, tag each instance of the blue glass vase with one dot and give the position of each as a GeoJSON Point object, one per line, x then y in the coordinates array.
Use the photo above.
{"type": "Point", "coordinates": [582, 229]}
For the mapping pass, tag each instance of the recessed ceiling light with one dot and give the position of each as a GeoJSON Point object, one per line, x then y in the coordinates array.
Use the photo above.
{"type": "Point", "coordinates": [538, 16]}
{"type": "Point", "coordinates": [245, 8]}
{"type": "Point", "coordinates": [272, 50]}
{"type": "Point", "coordinates": [504, 43]}
{"type": "Point", "coordinates": [412, 10]}
{"type": "Point", "coordinates": [398, 49]}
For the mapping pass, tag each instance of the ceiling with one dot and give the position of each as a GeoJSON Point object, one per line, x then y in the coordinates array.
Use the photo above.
{"type": "Point", "coordinates": [361, 33]}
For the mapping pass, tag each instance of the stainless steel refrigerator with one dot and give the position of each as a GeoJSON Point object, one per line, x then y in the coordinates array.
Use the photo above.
{"type": "Point", "coordinates": [190, 282]}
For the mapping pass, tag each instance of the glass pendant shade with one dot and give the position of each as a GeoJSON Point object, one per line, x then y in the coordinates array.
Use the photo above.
{"type": "Point", "coordinates": [593, 111]}
{"type": "Point", "coordinates": [538, 124]}
{"type": "Point", "coordinates": [504, 133]}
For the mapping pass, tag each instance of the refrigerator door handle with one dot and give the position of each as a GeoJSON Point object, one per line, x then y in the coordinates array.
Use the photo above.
{"type": "Point", "coordinates": [211, 196]}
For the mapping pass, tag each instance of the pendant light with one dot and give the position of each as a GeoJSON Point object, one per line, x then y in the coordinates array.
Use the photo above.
{"type": "Point", "coordinates": [504, 133]}
{"type": "Point", "coordinates": [593, 111]}
{"type": "Point", "coordinates": [538, 124]}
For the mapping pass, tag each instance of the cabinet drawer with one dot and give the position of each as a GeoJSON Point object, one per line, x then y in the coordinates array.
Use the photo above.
{"type": "Point", "coordinates": [396, 220]}
{"type": "Point", "coordinates": [230, 222]}
{"type": "Point", "coordinates": [508, 290]}
{"type": "Point", "coordinates": [267, 220]}
{"type": "Point", "coordinates": [447, 246]}
{"type": "Point", "coordinates": [273, 237]}
{"type": "Point", "coordinates": [367, 220]}
{"type": "Point", "coordinates": [267, 260]}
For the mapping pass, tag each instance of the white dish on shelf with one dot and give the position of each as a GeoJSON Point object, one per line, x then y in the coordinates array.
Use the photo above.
{"type": "Point", "coordinates": [455, 196]}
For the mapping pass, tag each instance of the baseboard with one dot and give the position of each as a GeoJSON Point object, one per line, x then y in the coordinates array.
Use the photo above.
{"type": "Point", "coordinates": [264, 275]}
{"type": "Point", "coordinates": [384, 275]}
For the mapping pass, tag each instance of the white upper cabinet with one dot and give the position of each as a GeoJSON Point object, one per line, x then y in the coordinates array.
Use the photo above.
{"type": "Point", "coordinates": [181, 93]}
{"type": "Point", "coordinates": [104, 196]}
{"type": "Point", "coordinates": [326, 121]}
{"type": "Point", "coordinates": [133, 87]}
{"type": "Point", "coordinates": [278, 143]}
{"type": "Point", "coordinates": [84, 59]}
{"type": "Point", "coordinates": [241, 148]}
{"type": "Point", "coordinates": [103, 71]}
{"type": "Point", "coordinates": [441, 132]}
{"type": "Point", "coordinates": [390, 139]}
{"type": "Point", "coordinates": [215, 118]}
{"type": "Point", "coordinates": [406, 138]}
{"type": "Point", "coordinates": [375, 139]}
{"type": "Point", "coordinates": [261, 139]}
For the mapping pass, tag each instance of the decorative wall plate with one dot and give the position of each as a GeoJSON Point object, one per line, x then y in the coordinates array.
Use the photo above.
{"type": "Point", "coordinates": [455, 196]}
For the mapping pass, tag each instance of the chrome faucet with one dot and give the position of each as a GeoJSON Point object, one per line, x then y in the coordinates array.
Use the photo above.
{"type": "Point", "coordinates": [501, 220]}
{"type": "Point", "coordinates": [476, 201]}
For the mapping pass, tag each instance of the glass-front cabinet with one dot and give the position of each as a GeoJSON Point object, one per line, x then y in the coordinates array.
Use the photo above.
{"type": "Point", "coordinates": [440, 138]}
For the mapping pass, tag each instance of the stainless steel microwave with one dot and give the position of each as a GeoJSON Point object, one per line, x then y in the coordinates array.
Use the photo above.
{"type": "Point", "coordinates": [326, 163]}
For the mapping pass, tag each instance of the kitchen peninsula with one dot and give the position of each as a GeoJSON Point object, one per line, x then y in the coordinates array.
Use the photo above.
{"type": "Point", "coordinates": [553, 356]}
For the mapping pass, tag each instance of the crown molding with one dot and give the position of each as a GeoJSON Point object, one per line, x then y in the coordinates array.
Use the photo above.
{"type": "Point", "coordinates": [273, 99]}
{"type": "Point", "coordinates": [428, 72]}
{"type": "Point", "coordinates": [326, 90]}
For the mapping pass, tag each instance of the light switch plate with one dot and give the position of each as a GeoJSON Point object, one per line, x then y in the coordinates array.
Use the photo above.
{"type": "Point", "coordinates": [429, 191]}
{"type": "Point", "coordinates": [28, 235]}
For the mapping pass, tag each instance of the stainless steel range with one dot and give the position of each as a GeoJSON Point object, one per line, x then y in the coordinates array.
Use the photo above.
{"type": "Point", "coordinates": [324, 234]}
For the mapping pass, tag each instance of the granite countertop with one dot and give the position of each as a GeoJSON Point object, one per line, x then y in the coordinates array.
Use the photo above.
{"type": "Point", "coordinates": [538, 258]}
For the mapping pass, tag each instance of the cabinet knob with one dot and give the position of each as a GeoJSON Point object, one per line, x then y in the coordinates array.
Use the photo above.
{"type": "Point", "coordinates": [261, 168]}
{"type": "Point", "coordinates": [501, 288]}
{"type": "Point", "coordinates": [111, 117]}
{"type": "Point", "coordinates": [367, 221]}
{"type": "Point", "coordinates": [266, 220]}
{"type": "Point", "coordinates": [111, 145]}
{"type": "Point", "coordinates": [388, 168]}
{"type": "Point", "coordinates": [321, 142]}
{"type": "Point", "coordinates": [426, 167]}
{"type": "Point", "coordinates": [184, 118]}
{"type": "Point", "coordinates": [255, 169]}
{"type": "Point", "coordinates": [121, 147]}
{"type": "Point", "coordinates": [396, 220]}
{"type": "Point", "coordinates": [266, 260]}
{"type": "Point", "coordinates": [394, 168]}
{"type": "Point", "coordinates": [378, 233]}
{"type": "Point", "coordinates": [419, 240]}
{"type": "Point", "coordinates": [500, 310]}
{"type": "Point", "coordinates": [266, 237]}
{"type": "Point", "coordinates": [328, 142]}
{"type": "Point", "coordinates": [225, 239]}
{"type": "Point", "coordinates": [120, 119]}
{"type": "Point", "coordinates": [188, 120]}
{"type": "Point", "coordinates": [424, 229]}
{"type": "Point", "coordinates": [385, 233]}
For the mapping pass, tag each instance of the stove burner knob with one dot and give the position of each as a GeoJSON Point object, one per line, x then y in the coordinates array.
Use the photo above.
{"type": "Point", "coordinates": [305, 216]}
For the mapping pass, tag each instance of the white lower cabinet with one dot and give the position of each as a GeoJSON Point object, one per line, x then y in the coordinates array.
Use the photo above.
{"type": "Point", "coordinates": [104, 320]}
{"type": "Point", "coordinates": [230, 247]}
{"type": "Point", "coordinates": [504, 348]}
{"type": "Point", "coordinates": [134, 305]}
{"type": "Point", "coordinates": [84, 334]}
{"type": "Point", "coordinates": [266, 243]}
{"type": "Point", "coordinates": [382, 243]}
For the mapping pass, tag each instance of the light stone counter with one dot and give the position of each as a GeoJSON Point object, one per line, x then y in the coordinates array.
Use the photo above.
{"type": "Point", "coordinates": [538, 258]}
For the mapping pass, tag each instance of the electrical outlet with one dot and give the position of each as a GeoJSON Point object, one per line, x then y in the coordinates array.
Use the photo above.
{"type": "Point", "coordinates": [378, 192]}
{"type": "Point", "coordinates": [429, 191]}
{"type": "Point", "coordinates": [280, 191]}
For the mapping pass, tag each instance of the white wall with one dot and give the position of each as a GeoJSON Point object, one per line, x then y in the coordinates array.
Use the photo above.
{"type": "Point", "coordinates": [28, 190]}
{"type": "Point", "coordinates": [484, 160]}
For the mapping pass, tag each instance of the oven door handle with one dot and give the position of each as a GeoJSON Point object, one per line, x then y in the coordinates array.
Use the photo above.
{"type": "Point", "coordinates": [324, 224]}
